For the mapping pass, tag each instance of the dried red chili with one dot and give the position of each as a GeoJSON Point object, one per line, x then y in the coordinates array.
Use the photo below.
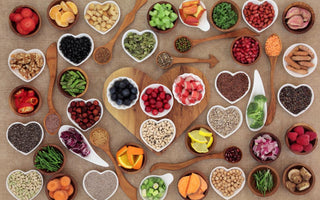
{"type": "Point", "coordinates": [32, 100]}
{"type": "Point", "coordinates": [25, 108]}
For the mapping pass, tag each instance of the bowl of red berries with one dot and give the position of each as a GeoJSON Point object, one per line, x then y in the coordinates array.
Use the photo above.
{"type": "Point", "coordinates": [246, 50]}
{"type": "Point", "coordinates": [156, 100]}
{"type": "Point", "coordinates": [188, 89]}
{"type": "Point", "coordinates": [25, 21]}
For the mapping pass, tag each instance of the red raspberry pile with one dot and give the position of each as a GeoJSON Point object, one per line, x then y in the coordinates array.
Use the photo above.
{"type": "Point", "coordinates": [25, 20]}
{"type": "Point", "coordinates": [301, 140]}
{"type": "Point", "coordinates": [156, 100]}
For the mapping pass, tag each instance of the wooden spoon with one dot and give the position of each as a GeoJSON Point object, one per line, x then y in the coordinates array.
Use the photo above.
{"type": "Point", "coordinates": [52, 117]}
{"type": "Point", "coordinates": [99, 137]}
{"type": "Point", "coordinates": [103, 54]}
{"type": "Point", "coordinates": [176, 60]}
{"type": "Point", "coordinates": [177, 166]}
{"type": "Point", "coordinates": [272, 105]}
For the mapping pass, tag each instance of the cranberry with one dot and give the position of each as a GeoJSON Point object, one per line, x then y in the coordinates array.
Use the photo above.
{"type": "Point", "coordinates": [160, 88]}
{"type": "Point", "coordinates": [162, 95]}
{"type": "Point", "coordinates": [154, 95]}
{"type": "Point", "coordinates": [149, 90]}
{"type": "Point", "coordinates": [161, 110]}
{"type": "Point", "coordinates": [155, 112]}
{"type": "Point", "coordinates": [146, 103]}
{"type": "Point", "coordinates": [159, 104]}
{"type": "Point", "coordinates": [148, 109]}
{"type": "Point", "coordinates": [156, 90]}
{"type": "Point", "coordinates": [168, 96]}
{"type": "Point", "coordinates": [145, 97]}
{"type": "Point", "coordinates": [95, 102]}
{"type": "Point", "coordinates": [166, 106]}
{"type": "Point", "coordinates": [152, 101]}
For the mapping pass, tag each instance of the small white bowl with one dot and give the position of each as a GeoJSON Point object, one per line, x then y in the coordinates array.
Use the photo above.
{"type": "Point", "coordinates": [75, 36]}
{"type": "Point", "coordinates": [114, 104]}
{"type": "Point", "coordinates": [165, 112]}
{"type": "Point", "coordinates": [310, 69]}
{"type": "Point", "coordinates": [100, 173]}
{"type": "Point", "coordinates": [232, 74]}
{"type": "Point", "coordinates": [89, 100]}
{"type": "Point", "coordinates": [203, 21]}
{"type": "Point", "coordinates": [165, 119]}
{"type": "Point", "coordinates": [25, 125]}
{"type": "Point", "coordinates": [275, 8]}
{"type": "Point", "coordinates": [96, 2]}
{"type": "Point", "coordinates": [295, 87]}
{"type": "Point", "coordinates": [139, 33]}
{"type": "Point", "coordinates": [184, 76]}
{"type": "Point", "coordinates": [223, 108]}
{"type": "Point", "coordinates": [167, 178]}
{"type": "Point", "coordinates": [16, 71]}
{"type": "Point", "coordinates": [92, 157]}
{"type": "Point", "coordinates": [18, 170]}
{"type": "Point", "coordinates": [236, 192]}
{"type": "Point", "coordinates": [257, 89]}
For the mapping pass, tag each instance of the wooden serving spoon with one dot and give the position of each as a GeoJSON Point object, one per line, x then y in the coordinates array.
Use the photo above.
{"type": "Point", "coordinates": [53, 116]}
{"type": "Point", "coordinates": [99, 137]}
{"type": "Point", "coordinates": [102, 55]}
{"type": "Point", "coordinates": [179, 60]}
{"type": "Point", "coordinates": [272, 105]}
{"type": "Point", "coordinates": [177, 166]}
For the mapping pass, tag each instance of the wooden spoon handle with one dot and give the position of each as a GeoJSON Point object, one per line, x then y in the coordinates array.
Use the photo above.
{"type": "Point", "coordinates": [212, 60]}
{"type": "Point", "coordinates": [51, 58]}
{"type": "Point", "coordinates": [272, 105]}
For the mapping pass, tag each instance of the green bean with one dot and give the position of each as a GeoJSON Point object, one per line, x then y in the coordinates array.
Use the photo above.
{"type": "Point", "coordinates": [73, 82]}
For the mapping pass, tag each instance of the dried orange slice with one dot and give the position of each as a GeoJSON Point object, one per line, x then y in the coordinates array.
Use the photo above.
{"type": "Point", "coordinates": [73, 7]}
{"type": "Point", "coordinates": [124, 162]}
{"type": "Point", "coordinates": [53, 11]}
{"type": "Point", "coordinates": [60, 22]}
{"type": "Point", "coordinates": [65, 7]}
{"type": "Point", "coordinates": [67, 17]}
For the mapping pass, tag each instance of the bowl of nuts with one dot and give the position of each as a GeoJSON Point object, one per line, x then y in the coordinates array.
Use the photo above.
{"type": "Point", "coordinates": [246, 50]}
{"type": "Point", "coordinates": [102, 17]}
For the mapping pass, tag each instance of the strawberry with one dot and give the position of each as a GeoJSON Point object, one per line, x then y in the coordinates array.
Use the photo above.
{"type": "Point", "coordinates": [292, 136]}
{"type": "Point", "coordinates": [26, 12]}
{"type": "Point", "coordinates": [17, 17]}
{"type": "Point", "coordinates": [307, 148]}
{"type": "Point", "coordinates": [303, 140]}
{"type": "Point", "coordinates": [35, 18]}
{"type": "Point", "coordinates": [296, 147]}
{"type": "Point", "coordinates": [28, 24]}
{"type": "Point", "coordinates": [311, 134]}
{"type": "Point", "coordinates": [11, 16]}
{"type": "Point", "coordinates": [18, 10]}
{"type": "Point", "coordinates": [299, 130]}
{"type": "Point", "coordinates": [20, 30]}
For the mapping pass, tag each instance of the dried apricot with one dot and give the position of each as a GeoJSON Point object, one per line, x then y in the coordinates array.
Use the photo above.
{"type": "Point", "coordinates": [67, 17]}
{"type": "Point", "coordinates": [53, 11]}
{"type": "Point", "coordinates": [73, 7]}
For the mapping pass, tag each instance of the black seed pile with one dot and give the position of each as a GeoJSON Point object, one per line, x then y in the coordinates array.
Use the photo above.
{"type": "Point", "coordinates": [75, 49]}
{"type": "Point", "coordinates": [123, 92]}
{"type": "Point", "coordinates": [295, 100]}
{"type": "Point", "coordinates": [24, 138]}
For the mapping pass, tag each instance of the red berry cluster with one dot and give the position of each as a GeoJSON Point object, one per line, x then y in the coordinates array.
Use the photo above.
{"type": "Point", "coordinates": [246, 50]}
{"type": "Point", "coordinates": [25, 20]}
{"type": "Point", "coordinates": [85, 114]}
{"type": "Point", "coordinates": [156, 100]}
{"type": "Point", "coordinates": [301, 140]}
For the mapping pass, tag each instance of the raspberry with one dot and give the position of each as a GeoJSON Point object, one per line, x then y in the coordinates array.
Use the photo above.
{"type": "Point", "coordinates": [308, 148]}
{"type": "Point", "coordinates": [146, 103]}
{"type": "Point", "coordinates": [303, 140]}
{"type": "Point", "coordinates": [155, 112]}
{"type": "Point", "coordinates": [299, 130]}
{"type": "Point", "coordinates": [296, 147]}
{"type": "Point", "coordinates": [292, 136]}
{"type": "Point", "coordinates": [311, 134]}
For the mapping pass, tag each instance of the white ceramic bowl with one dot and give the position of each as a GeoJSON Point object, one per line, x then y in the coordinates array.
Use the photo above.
{"type": "Point", "coordinates": [95, 171]}
{"type": "Point", "coordinates": [310, 69]}
{"type": "Point", "coordinates": [184, 76]}
{"type": "Point", "coordinates": [275, 8]}
{"type": "Point", "coordinates": [232, 74]}
{"type": "Point", "coordinates": [25, 125]}
{"type": "Point", "coordinates": [167, 178]}
{"type": "Point", "coordinates": [174, 133]}
{"type": "Point", "coordinates": [92, 157]}
{"type": "Point", "coordinates": [295, 87]}
{"type": "Point", "coordinates": [96, 2]}
{"type": "Point", "coordinates": [75, 36]}
{"type": "Point", "coordinates": [203, 21]}
{"type": "Point", "coordinates": [139, 33]}
{"type": "Point", "coordinates": [165, 112]}
{"type": "Point", "coordinates": [17, 170]}
{"type": "Point", "coordinates": [237, 191]}
{"type": "Point", "coordinates": [16, 71]}
{"type": "Point", "coordinates": [89, 100]}
{"type": "Point", "coordinates": [114, 104]}
{"type": "Point", "coordinates": [223, 108]}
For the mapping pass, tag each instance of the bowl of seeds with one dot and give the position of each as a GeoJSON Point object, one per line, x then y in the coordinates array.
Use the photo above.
{"type": "Point", "coordinates": [182, 44]}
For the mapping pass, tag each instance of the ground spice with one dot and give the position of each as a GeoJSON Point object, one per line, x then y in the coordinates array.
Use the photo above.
{"type": "Point", "coordinates": [183, 44]}
{"type": "Point", "coordinates": [52, 122]}
{"type": "Point", "coordinates": [25, 138]}
{"type": "Point", "coordinates": [102, 55]}
{"type": "Point", "coordinates": [295, 100]}
{"type": "Point", "coordinates": [99, 137]}
{"type": "Point", "coordinates": [164, 60]}
{"type": "Point", "coordinates": [100, 186]}
{"type": "Point", "coordinates": [224, 121]}
{"type": "Point", "coordinates": [232, 87]}
{"type": "Point", "coordinates": [273, 45]}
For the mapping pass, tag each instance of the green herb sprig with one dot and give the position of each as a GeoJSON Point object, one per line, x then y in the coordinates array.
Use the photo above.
{"type": "Point", "coordinates": [264, 181]}
{"type": "Point", "coordinates": [224, 16]}
{"type": "Point", "coordinates": [49, 159]}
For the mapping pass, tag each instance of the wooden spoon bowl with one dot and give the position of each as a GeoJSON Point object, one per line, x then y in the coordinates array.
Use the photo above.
{"type": "Point", "coordinates": [252, 182]}
{"type": "Point", "coordinates": [300, 5]}
{"type": "Point", "coordinates": [306, 127]}
{"type": "Point", "coordinates": [73, 183]}
{"type": "Point", "coordinates": [12, 103]}
{"type": "Point", "coordinates": [234, 7]}
{"type": "Point", "coordinates": [244, 64]}
{"type": "Point", "coordinates": [188, 173]}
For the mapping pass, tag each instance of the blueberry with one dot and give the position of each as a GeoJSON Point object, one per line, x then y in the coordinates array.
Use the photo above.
{"type": "Point", "coordinates": [120, 96]}
{"type": "Point", "coordinates": [133, 97]}
{"type": "Point", "coordinates": [125, 92]}
{"type": "Point", "coordinates": [125, 81]}
{"type": "Point", "coordinates": [130, 86]}
{"type": "Point", "coordinates": [119, 102]}
{"type": "Point", "coordinates": [116, 84]}
{"type": "Point", "coordinates": [122, 85]}
{"type": "Point", "coordinates": [133, 90]}
{"type": "Point", "coordinates": [127, 102]}
{"type": "Point", "coordinates": [112, 90]}
{"type": "Point", "coordinates": [114, 97]}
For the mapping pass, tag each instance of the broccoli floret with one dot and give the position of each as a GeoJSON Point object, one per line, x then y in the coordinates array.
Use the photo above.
{"type": "Point", "coordinates": [258, 116]}
{"type": "Point", "coordinates": [255, 111]}
{"type": "Point", "coordinates": [252, 108]}
{"type": "Point", "coordinates": [256, 124]}
{"type": "Point", "coordinates": [260, 100]}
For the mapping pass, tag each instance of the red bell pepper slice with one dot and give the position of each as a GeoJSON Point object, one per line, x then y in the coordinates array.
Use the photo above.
{"type": "Point", "coordinates": [193, 21]}
{"type": "Point", "coordinates": [20, 93]}
{"type": "Point", "coordinates": [191, 10]}
{"type": "Point", "coordinates": [31, 93]}
{"type": "Point", "coordinates": [190, 3]}
{"type": "Point", "coordinates": [25, 108]}
{"type": "Point", "coordinates": [32, 100]}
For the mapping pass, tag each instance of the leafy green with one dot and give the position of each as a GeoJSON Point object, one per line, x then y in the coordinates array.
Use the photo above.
{"type": "Point", "coordinates": [224, 16]}
{"type": "Point", "coordinates": [255, 111]}
{"type": "Point", "coordinates": [162, 16]}
{"type": "Point", "coordinates": [264, 181]}
{"type": "Point", "coordinates": [49, 159]}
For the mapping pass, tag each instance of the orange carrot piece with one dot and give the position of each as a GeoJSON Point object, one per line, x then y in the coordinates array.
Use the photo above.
{"type": "Point", "coordinates": [60, 195]}
{"type": "Point", "coordinates": [70, 190]}
{"type": "Point", "coordinates": [65, 181]}
{"type": "Point", "coordinates": [54, 185]}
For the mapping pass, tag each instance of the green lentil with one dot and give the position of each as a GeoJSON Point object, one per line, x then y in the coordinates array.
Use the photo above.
{"type": "Point", "coordinates": [139, 46]}
{"type": "Point", "coordinates": [183, 44]}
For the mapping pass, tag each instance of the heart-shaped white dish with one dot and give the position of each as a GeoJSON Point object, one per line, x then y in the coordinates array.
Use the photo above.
{"type": "Point", "coordinates": [139, 33]}
{"type": "Point", "coordinates": [101, 3]}
{"type": "Point", "coordinates": [89, 100]}
{"type": "Point", "coordinates": [103, 189]}
{"type": "Point", "coordinates": [75, 36]}
{"type": "Point", "coordinates": [92, 157]}
{"type": "Point", "coordinates": [18, 173]}
{"type": "Point", "coordinates": [225, 169]}
{"type": "Point", "coordinates": [203, 21]}
{"type": "Point", "coordinates": [257, 89]}
{"type": "Point", "coordinates": [275, 8]}
{"type": "Point", "coordinates": [38, 124]}
{"type": "Point", "coordinates": [225, 109]}
{"type": "Point", "coordinates": [167, 178]}
{"type": "Point", "coordinates": [157, 122]}
{"type": "Point", "coordinates": [310, 69]}
{"type": "Point", "coordinates": [16, 71]}
{"type": "Point", "coordinates": [295, 87]}
{"type": "Point", "coordinates": [232, 74]}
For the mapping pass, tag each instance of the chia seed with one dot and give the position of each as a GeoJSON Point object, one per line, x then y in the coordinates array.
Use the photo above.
{"type": "Point", "coordinates": [164, 60]}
